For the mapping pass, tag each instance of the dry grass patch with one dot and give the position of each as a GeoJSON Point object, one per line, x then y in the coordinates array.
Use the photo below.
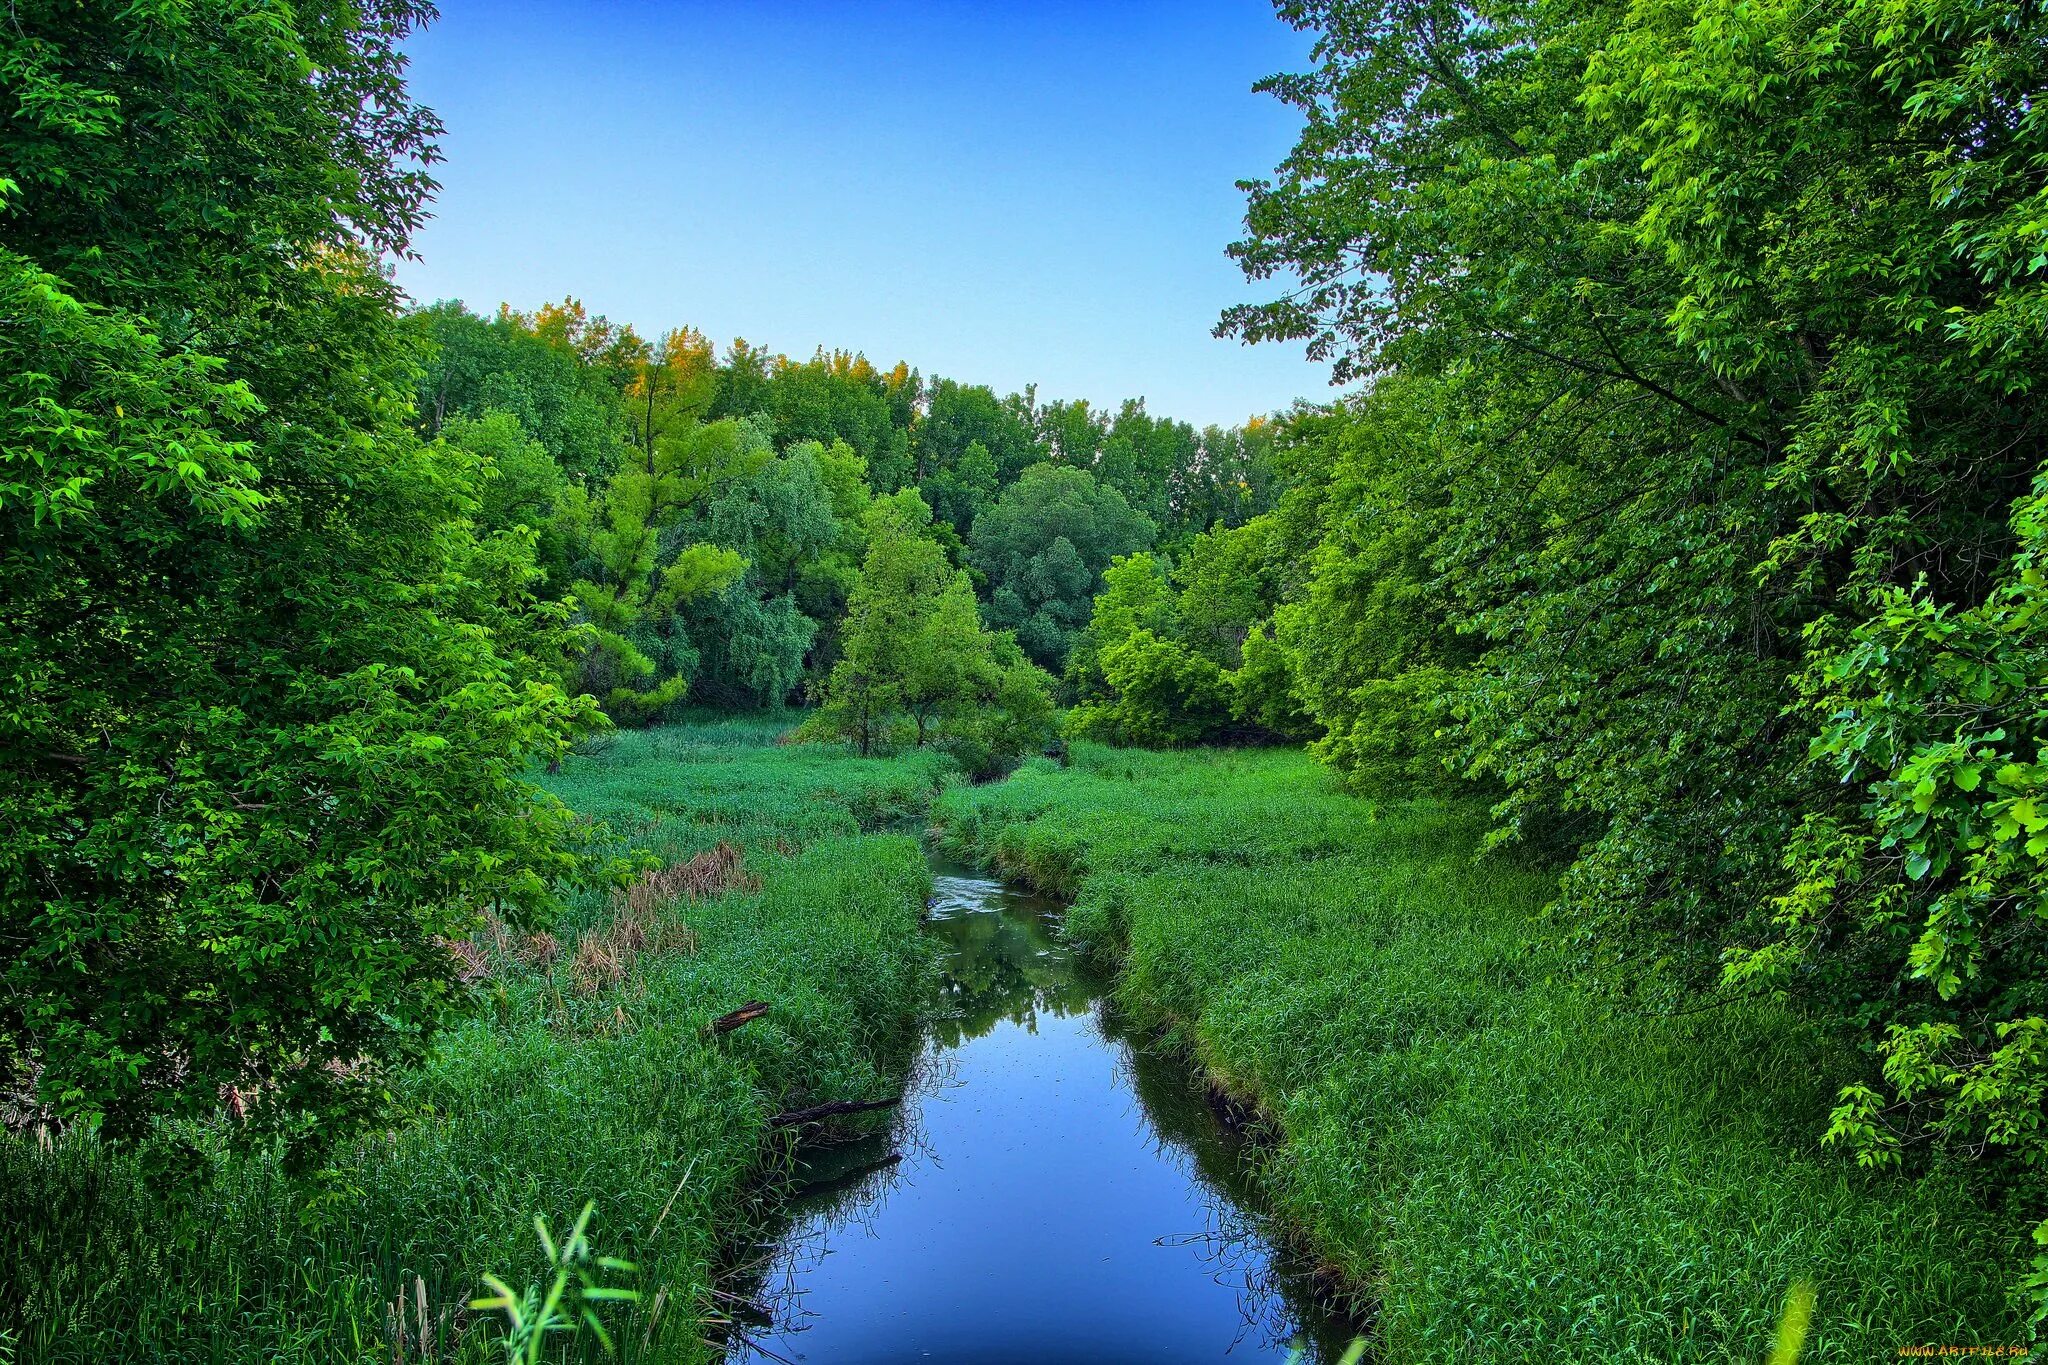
{"type": "Point", "coordinates": [642, 919]}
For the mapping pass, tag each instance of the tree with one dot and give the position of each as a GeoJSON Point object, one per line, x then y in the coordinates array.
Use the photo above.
{"type": "Point", "coordinates": [1730, 317]}
{"type": "Point", "coordinates": [961, 491]}
{"type": "Point", "coordinates": [785, 519]}
{"type": "Point", "coordinates": [672, 387]}
{"type": "Point", "coordinates": [958, 416]}
{"type": "Point", "coordinates": [521, 480]}
{"type": "Point", "coordinates": [1136, 596]}
{"type": "Point", "coordinates": [742, 381]}
{"type": "Point", "coordinates": [273, 699]}
{"type": "Point", "coordinates": [833, 396]}
{"type": "Point", "coordinates": [1147, 458]}
{"type": "Point", "coordinates": [642, 658]}
{"type": "Point", "coordinates": [1368, 634]}
{"type": "Point", "coordinates": [532, 367]}
{"type": "Point", "coordinates": [1071, 433]}
{"type": "Point", "coordinates": [1042, 549]}
{"type": "Point", "coordinates": [1164, 659]}
{"type": "Point", "coordinates": [1157, 693]}
{"type": "Point", "coordinates": [917, 663]}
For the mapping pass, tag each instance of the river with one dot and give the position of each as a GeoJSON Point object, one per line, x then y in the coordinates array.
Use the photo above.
{"type": "Point", "coordinates": [1051, 1194]}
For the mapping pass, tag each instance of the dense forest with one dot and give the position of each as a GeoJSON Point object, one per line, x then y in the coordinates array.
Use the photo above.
{"type": "Point", "coordinates": [1684, 512]}
{"type": "Point", "coordinates": [711, 517]}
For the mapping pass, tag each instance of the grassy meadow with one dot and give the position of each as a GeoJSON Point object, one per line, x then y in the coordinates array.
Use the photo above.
{"type": "Point", "coordinates": [1498, 1166]}
{"type": "Point", "coordinates": [588, 1075]}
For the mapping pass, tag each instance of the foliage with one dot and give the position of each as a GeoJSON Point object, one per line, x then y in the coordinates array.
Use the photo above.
{"type": "Point", "coordinates": [1160, 693]}
{"type": "Point", "coordinates": [521, 481]}
{"type": "Point", "coordinates": [569, 1302]}
{"type": "Point", "coordinates": [1506, 1169]}
{"type": "Point", "coordinates": [958, 417]}
{"type": "Point", "coordinates": [1938, 715]}
{"type": "Point", "coordinates": [1043, 548]}
{"type": "Point", "coordinates": [643, 659]}
{"type": "Point", "coordinates": [272, 698]}
{"type": "Point", "coordinates": [578, 419]}
{"type": "Point", "coordinates": [1133, 682]}
{"type": "Point", "coordinates": [1689, 509]}
{"type": "Point", "coordinates": [1185, 658]}
{"type": "Point", "coordinates": [558, 372]}
{"type": "Point", "coordinates": [917, 661]}
{"type": "Point", "coordinates": [1366, 639]}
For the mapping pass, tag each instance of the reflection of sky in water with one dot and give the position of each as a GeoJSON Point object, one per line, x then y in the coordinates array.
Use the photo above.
{"type": "Point", "coordinates": [1058, 1197]}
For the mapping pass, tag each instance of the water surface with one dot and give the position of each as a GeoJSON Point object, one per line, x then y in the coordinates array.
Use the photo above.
{"type": "Point", "coordinates": [1050, 1194]}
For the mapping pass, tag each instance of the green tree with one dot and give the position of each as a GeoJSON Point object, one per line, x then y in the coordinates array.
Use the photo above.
{"type": "Point", "coordinates": [1157, 693]}
{"type": "Point", "coordinates": [1136, 595]}
{"type": "Point", "coordinates": [961, 491]}
{"type": "Point", "coordinates": [1148, 459]}
{"type": "Point", "coordinates": [672, 386]}
{"type": "Point", "coordinates": [1042, 549]}
{"type": "Point", "coordinates": [642, 659]}
{"type": "Point", "coordinates": [271, 698]}
{"type": "Point", "coordinates": [958, 416]}
{"type": "Point", "coordinates": [917, 663]}
{"type": "Point", "coordinates": [522, 482]}
{"type": "Point", "coordinates": [742, 381]}
{"type": "Point", "coordinates": [528, 366]}
{"type": "Point", "coordinates": [785, 518]}
{"type": "Point", "coordinates": [833, 396]}
{"type": "Point", "coordinates": [1731, 317]}
{"type": "Point", "coordinates": [1368, 636]}
{"type": "Point", "coordinates": [1071, 433]}
{"type": "Point", "coordinates": [1167, 658]}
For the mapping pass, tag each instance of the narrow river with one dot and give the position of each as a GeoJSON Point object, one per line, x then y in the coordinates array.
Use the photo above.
{"type": "Point", "coordinates": [1050, 1194]}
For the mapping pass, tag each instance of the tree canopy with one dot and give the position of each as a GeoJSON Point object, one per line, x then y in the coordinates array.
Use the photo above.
{"type": "Point", "coordinates": [274, 691]}
{"type": "Point", "coordinates": [1693, 509]}
{"type": "Point", "coordinates": [917, 665]}
{"type": "Point", "coordinates": [1043, 547]}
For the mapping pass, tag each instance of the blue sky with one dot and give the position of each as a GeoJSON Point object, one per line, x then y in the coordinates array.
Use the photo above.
{"type": "Point", "coordinates": [1000, 193]}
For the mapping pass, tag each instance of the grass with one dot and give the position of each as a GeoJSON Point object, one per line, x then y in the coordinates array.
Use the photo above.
{"type": "Point", "coordinates": [1502, 1169]}
{"type": "Point", "coordinates": [584, 1080]}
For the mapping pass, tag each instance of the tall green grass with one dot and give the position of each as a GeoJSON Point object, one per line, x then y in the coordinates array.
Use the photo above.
{"type": "Point", "coordinates": [1501, 1168]}
{"type": "Point", "coordinates": [547, 1099]}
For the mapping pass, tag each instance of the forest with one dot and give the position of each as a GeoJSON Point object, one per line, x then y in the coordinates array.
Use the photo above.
{"type": "Point", "coordinates": [735, 529]}
{"type": "Point", "coordinates": [1578, 797]}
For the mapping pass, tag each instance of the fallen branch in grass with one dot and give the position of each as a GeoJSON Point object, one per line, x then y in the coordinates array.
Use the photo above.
{"type": "Point", "coordinates": [825, 1111]}
{"type": "Point", "coordinates": [745, 1014]}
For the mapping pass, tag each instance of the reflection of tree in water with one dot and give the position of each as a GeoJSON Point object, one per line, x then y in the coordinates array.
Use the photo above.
{"type": "Point", "coordinates": [1242, 1247]}
{"type": "Point", "coordinates": [998, 967]}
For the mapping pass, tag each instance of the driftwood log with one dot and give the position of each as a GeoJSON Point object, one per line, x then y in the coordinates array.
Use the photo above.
{"type": "Point", "coordinates": [826, 1111]}
{"type": "Point", "coordinates": [745, 1014]}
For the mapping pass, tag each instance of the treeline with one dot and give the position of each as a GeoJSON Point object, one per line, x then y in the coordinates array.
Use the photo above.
{"type": "Point", "coordinates": [709, 514]}
{"type": "Point", "coordinates": [1693, 509]}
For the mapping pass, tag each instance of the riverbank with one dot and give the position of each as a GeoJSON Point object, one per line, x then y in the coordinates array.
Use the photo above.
{"type": "Point", "coordinates": [1500, 1169]}
{"type": "Point", "coordinates": [589, 1075]}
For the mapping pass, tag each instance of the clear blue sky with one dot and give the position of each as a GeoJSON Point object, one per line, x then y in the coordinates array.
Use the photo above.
{"type": "Point", "coordinates": [999, 193]}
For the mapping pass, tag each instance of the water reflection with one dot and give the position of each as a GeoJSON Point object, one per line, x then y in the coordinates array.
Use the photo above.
{"type": "Point", "coordinates": [1050, 1193]}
